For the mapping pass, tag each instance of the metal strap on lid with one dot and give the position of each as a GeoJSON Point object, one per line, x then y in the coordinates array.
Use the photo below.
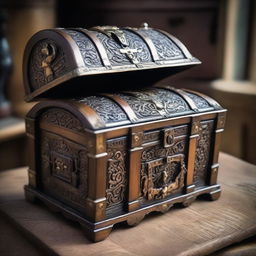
{"type": "Point", "coordinates": [119, 35]}
{"type": "Point", "coordinates": [99, 46]}
{"type": "Point", "coordinates": [112, 30]}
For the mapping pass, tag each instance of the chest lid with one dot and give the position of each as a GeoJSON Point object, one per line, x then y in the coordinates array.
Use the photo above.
{"type": "Point", "coordinates": [63, 62]}
{"type": "Point", "coordinates": [130, 107]}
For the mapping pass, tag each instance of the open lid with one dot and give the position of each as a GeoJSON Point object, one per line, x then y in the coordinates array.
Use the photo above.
{"type": "Point", "coordinates": [63, 62]}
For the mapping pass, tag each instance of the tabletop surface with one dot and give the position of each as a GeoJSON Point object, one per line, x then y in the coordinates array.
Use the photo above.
{"type": "Point", "coordinates": [199, 229]}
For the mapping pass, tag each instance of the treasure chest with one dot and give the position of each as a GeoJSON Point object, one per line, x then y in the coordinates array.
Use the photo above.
{"type": "Point", "coordinates": [116, 153]}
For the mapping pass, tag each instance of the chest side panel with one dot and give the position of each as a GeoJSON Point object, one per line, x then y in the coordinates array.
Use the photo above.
{"type": "Point", "coordinates": [64, 162]}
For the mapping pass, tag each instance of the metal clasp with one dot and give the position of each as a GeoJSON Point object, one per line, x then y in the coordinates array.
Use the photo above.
{"type": "Point", "coordinates": [119, 35]}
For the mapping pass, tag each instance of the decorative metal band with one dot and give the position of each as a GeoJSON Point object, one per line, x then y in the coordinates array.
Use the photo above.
{"type": "Point", "coordinates": [211, 101]}
{"type": "Point", "coordinates": [178, 43]}
{"type": "Point", "coordinates": [148, 42]}
{"type": "Point", "coordinates": [190, 102]}
{"type": "Point", "coordinates": [124, 105]}
{"type": "Point", "coordinates": [99, 46]}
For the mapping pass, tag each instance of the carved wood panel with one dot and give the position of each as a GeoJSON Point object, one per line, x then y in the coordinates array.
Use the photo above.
{"type": "Point", "coordinates": [203, 152]}
{"type": "Point", "coordinates": [117, 173]}
{"type": "Point", "coordinates": [47, 62]}
{"type": "Point", "coordinates": [62, 118]}
{"type": "Point", "coordinates": [163, 168]}
{"type": "Point", "coordinates": [64, 169]}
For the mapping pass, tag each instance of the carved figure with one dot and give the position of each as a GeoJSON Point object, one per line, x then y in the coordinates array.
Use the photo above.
{"type": "Point", "coordinates": [49, 52]}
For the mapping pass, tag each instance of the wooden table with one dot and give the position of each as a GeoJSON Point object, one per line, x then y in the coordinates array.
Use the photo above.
{"type": "Point", "coordinates": [200, 229]}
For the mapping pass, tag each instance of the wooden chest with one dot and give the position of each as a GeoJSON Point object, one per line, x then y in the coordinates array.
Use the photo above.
{"type": "Point", "coordinates": [116, 156]}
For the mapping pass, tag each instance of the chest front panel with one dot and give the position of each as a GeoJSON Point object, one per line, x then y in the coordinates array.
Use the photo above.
{"type": "Point", "coordinates": [163, 162]}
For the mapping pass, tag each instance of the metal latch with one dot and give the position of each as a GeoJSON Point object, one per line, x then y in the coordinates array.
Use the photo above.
{"type": "Point", "coordinates": [118, 35]}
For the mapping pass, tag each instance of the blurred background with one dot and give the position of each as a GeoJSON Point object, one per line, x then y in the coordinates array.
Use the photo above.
{"type": "Point", "coordinates": [220, 33]}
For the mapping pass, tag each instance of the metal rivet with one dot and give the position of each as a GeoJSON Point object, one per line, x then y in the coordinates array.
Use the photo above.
{"type": "Point", "coordinates": [136, 138]}
{"type": "Point", "coordinates": [144, 25]}
{"type": "Point", "coordinates": [164, 206]}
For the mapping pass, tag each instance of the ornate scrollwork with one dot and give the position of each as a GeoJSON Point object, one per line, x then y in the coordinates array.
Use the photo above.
{"type": "Point", "coordinates": [142, 54]}
{"type": "Point", "coordinates": [47, 62]}
{"type": "Point", "coordinates": [134, 52]}
{"type": "Point", "coordinates": [116, 172]}
{"type": "Point", "coordinates": [64, 168]}
{"type": "Point", "coordinates": [107, 109]}
{"type": "Point", "coordinates": [166, 48]}
{"type": "Point", "coordinates": [62, 118]}
{"type": "Point", "coordinates": [87, 48]}
{"type": "Point", "coordinates": [155, 103]}
{"type": "Point", "coordinates": [163, 168]}
{"type": "Point", "coordinates": [200, 102]}
{"type": "Point", "coordinates": [203, 152]}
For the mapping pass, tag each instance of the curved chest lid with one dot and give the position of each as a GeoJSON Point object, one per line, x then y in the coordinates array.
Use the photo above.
{"type": "Point", "coordinates": [132, 107]}
{"type": "Point", "coordinates": [60, 62]}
